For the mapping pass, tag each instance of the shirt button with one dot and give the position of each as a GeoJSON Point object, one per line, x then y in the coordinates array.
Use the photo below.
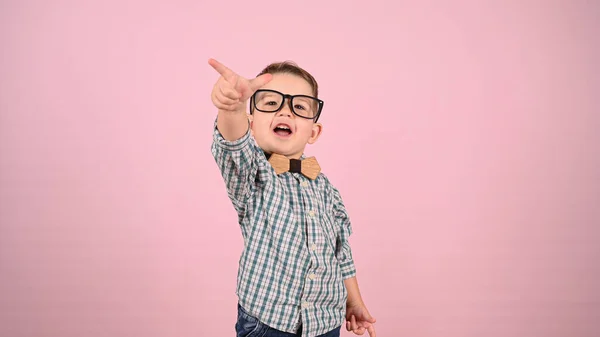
{"type": "Point", "coordinates": [311, 213]}
{"type": "Point", "coordinates": [305, 305]}
{"type": "Point", "coordinates": [313, 247]}
{"type": "Point", "coordinates": [304, 184]}
{"type": "Point", "coordinates": [312, 276]}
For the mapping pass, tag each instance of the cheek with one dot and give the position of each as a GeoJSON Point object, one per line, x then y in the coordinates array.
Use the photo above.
{"type": "Point", "coordinates": [261, 125]}
{"type": "Point", "coordinates": [304, 131]}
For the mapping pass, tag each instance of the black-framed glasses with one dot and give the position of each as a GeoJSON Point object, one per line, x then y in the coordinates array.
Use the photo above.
{"type": "Point", "coordinates": [266, 100]}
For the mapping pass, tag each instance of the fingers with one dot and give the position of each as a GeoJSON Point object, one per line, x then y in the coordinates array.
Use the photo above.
{"type": "Point", "coordinates": [362, 325]}
{"type": "Point", "coordinates": [227, 107]}
{"type": "Point", "coordinates": [227, 73]}
{"type": "Point", "coordinates": [223, 102]}
{"type": "Point", "coordinates": [353, 323]}
{"type": "Point", "coordinates": [371, 331]}
{"type": "Point", "coordinates": [228, 95]}
{"type": "Point", "coordinates": [224, 95]}
{"type": "Point", "coordinates": [261, 80]}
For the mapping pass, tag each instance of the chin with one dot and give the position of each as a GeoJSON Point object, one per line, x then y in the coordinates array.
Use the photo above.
{"type": "Point", "coordinates": [271, 145]}
{"type": "Point", "coordinates": [279, 150]}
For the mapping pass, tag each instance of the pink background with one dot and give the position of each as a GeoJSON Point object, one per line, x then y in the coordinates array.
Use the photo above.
{"type": "Point", "coordinates": [464, 137]}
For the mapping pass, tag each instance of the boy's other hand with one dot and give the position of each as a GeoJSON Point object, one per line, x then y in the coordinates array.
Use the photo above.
{"type": "Point", "coordinates": [359, 320]}
{"type": "Point", "coordinates": [231, 91]}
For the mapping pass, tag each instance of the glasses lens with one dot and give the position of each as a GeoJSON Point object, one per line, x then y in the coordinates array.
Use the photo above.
{"type": "Point", "coordinates": [305, 106]}
{"type": "Point", "coordinates": [267, 101]}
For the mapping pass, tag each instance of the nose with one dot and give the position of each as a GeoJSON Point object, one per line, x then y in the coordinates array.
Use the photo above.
{"type": "Point", "coordinates": [286, 109]}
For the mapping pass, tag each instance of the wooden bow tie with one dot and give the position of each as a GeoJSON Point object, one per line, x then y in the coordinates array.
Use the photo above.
{"type": "Point", "coordinates": [309, 167]}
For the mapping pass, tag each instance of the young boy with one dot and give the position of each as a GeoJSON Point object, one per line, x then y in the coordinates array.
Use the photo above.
{"type": "Point", "coordinates": [296, 275]}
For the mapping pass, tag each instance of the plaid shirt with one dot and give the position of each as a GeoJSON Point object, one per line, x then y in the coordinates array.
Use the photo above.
{"type": "Point", "coordinates": [296, 253]}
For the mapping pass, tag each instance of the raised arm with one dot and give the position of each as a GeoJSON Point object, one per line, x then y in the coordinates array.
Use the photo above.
{"type": "Point", "coordinates": [233, 149]}
{"type": "Point", "coordinates": [230, 95]}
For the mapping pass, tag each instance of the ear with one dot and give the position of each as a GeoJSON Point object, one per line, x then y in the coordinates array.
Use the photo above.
{"type": "Point", "coordinates": [251, 120]}
{"type": "Point", "coordinates": [316, 131]}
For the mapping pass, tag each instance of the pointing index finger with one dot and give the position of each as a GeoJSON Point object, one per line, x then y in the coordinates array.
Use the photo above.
{"type": "Point", "coordinates": [227, 73]}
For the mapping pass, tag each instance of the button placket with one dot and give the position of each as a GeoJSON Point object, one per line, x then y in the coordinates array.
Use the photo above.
{"type": "Point", "coordinates": [309, 205]}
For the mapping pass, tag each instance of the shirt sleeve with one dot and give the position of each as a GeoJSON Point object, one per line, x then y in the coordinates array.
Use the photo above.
{"type": "Point", "coordinates": [343, 250]}
{"type": "Point", "coordinates": [238, 162]}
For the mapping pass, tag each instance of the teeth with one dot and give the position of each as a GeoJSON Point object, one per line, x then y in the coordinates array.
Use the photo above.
{"type": "Point", "coordinates": [282, 127]}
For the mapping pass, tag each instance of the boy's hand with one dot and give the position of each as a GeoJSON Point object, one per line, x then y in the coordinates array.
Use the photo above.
{"type": "Point", "coordinates": [358, 319]}
{"type": "Point", "coordinates": [231, 91]}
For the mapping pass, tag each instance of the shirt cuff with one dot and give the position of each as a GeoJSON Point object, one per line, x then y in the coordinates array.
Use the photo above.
{"type": "Point", "coordinates": [348, 269]}
{"type": "Point", "coordinates": [231, 145]}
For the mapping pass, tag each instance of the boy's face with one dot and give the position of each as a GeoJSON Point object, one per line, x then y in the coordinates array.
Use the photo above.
{"type": "Point", "coordinates": [302, 131]}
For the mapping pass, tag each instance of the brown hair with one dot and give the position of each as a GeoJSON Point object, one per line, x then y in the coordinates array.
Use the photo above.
{"type": "Point", "coordinates": [289, 67]}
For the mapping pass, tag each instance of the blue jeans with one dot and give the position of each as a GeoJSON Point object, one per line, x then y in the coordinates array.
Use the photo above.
{"type": "Point", "coordinates": [250, 326]}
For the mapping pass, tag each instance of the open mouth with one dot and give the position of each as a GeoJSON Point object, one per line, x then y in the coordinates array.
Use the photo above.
{"type": "Point", "coordinates": [283, 130]}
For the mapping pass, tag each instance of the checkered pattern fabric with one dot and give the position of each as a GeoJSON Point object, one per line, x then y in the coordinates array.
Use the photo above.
{"type": "Point", "coordinates": [296, 252]}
